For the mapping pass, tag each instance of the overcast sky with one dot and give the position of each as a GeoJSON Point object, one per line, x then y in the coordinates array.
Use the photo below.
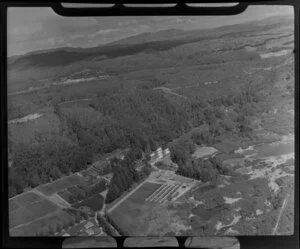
{"type": "Point", "coordinates": [41, 28]}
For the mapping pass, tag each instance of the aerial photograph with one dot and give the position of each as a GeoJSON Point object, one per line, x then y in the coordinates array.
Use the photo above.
{"type": "Point", "coordinates": [151, 125]}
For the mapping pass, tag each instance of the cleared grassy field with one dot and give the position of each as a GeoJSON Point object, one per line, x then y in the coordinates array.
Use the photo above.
{"type": "Point", "coordinates": [28, 207]}
{"type": "Point", "coordinates": [61, 184]}
{"type": "Point", "coordinates": [24, 199]}
{"type": "Point", "coordinates": [47, 125]}
{"type": "Point", "coordinates": [43, 224]}
{"type": "Point", "coordinates": [20, 216]}
{"type": "Point", "coordinates": [131, 214]}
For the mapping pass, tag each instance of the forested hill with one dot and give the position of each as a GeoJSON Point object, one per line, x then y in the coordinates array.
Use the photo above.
{"type": "Point", "coordinates": [156, 41]}
{"type": "Point", "coordinates": [139, 119]}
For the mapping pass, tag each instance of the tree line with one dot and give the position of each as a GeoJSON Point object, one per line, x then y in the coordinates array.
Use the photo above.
{"type": "Point", "coordinates": [125, 175]}
{"type": "Point", "coordinates": [201, 169]}
{"type": "Point", "coordinates": [41, 163]}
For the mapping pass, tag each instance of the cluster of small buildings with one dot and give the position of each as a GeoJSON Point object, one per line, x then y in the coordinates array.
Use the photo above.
{"type": "Point", "coordinates": [95, 171]}
{"type": "Point", "coordinates": [84, 228]}
{"type": "Point", "coordinates": [159, 154]}
{"type": "Point", "coordinates": [205, 152]}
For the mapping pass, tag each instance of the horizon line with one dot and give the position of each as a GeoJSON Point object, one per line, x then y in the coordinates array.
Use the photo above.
{"type": "Point", "coordinates": [106, 43]}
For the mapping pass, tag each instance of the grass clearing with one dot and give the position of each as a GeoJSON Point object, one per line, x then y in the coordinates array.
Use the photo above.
{"type": "Point", "coordinates": [44, 223]}
{"type": "Point", "coordinates": [26, 198]}
{"type": "Point", "coordinates": [131, 214]}
{"type": "Point", "coordinates": [20, 216]}
{"type": "Point", "coordinates": [13, 205]}
{"type": "Point", "coordinates": [41, 208]}
{"type": "Point", "coordinates": [29, 207]}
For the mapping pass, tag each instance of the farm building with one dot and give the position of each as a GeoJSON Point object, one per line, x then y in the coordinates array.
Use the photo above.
{"type": "Point", "coordinates": [108, 177]}
{"type": "Point", "coordinates": [88, 225]}
{"type": "Point", "coordinates": [159, 155]}
{"type": "Point", "coordinates": [204, 152]}
{"type": "Point", "coordinates": [85, 228]}
{"type": "Point", "coordinates": [167, 152]}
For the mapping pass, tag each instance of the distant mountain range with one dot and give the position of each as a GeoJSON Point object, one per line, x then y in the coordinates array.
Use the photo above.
{"type": "Point", "coordinates": [156, 41]}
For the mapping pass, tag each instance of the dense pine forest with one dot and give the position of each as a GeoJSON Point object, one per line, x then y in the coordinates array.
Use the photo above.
{"type": "Point", "coordinates": [141, 119]}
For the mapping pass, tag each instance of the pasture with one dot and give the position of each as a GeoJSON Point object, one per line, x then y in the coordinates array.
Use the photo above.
{"type": "Point", "coordinates": [24, 199]}
{"type": "Point", "coordinates": [61, 184]}
{"type": "Point", "coordinates": [51, 222]}
{"type": "Point", "coordinates": [28, 207]}
{"type": "Point", "coordinates": [132, 213]}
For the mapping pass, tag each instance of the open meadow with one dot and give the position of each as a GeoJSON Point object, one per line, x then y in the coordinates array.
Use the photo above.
{"type": "Point", "coordinates": [31, 213]}
{"type": "Point", "coordinates": [131, 214]}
